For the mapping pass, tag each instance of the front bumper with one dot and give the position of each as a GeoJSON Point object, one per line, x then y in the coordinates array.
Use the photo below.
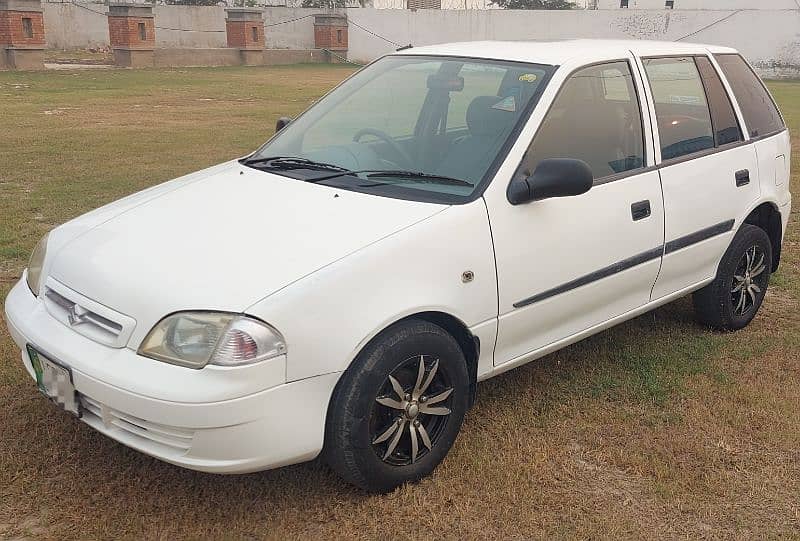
{"type": "Point", "coordinates": [200, 426]}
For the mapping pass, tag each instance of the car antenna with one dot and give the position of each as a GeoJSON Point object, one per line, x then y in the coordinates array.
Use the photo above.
{"type": "Point", "coordinates": [404, 47]}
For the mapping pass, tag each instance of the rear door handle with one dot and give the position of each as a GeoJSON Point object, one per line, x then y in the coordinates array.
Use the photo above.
{"type": "Point", "coordinates": [742, 178]}
{"type": "Point", "coordinates": [640, 210]}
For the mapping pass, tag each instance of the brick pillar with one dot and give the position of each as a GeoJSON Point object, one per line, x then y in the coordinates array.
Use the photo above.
{"type": "Point", "coordinates": [21, 34]}
{"type": "Point", "coordinates": [132, 32]}
{"type": "Point", "coordinates": [245, 30]}
{"type": "Point", "coordinates": [330, 32]}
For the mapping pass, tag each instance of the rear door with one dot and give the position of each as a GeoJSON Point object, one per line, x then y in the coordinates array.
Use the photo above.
{"type": "Point", "coordinates": [709, 175]}
{"type": "Point", "coordinates": [764, 125]}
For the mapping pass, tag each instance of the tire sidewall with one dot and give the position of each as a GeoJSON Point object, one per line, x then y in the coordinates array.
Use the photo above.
{"type": "Point", "coordinates": [353, 403]}
{"type": "Point", "coordinates": [745, 239]}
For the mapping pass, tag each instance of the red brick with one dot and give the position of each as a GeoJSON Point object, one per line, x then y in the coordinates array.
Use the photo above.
{"type": "Point", "coordinates": [330, 36]}
{"type": "Point", "coordinates": [12, 31]}
{"type": "Point", "coordinates": [240, 34]}
{"type": "Point", "coordinates": [124, 32]}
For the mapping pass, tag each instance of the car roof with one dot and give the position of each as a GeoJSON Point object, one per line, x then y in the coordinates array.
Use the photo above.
{"type": "Point", "coordinates": [557, 52]}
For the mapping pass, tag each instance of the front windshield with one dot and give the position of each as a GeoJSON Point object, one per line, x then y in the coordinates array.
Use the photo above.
{"type": "Point", "coordinates": [413, 127]}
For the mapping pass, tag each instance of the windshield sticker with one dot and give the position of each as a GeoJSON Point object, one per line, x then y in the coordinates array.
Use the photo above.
{"type": "Point", "coordinates": [527, 77]}
{"type": "Point", "coordinates": [506, 104]}
{"type": "Point", "coordinates": [686, 100]}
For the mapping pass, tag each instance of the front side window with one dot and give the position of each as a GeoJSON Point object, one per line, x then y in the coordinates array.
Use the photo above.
{"type": "Point", "coordinates": [759, 111]}
{"type": "Point", "coordinates": [440, 123]}
{"type": "Point", "coordinates": [595, 118]}
{"type": "Point", "coordinates": [684, 120]}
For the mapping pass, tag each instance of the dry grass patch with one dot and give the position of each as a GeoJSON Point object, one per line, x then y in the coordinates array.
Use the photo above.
{"type": "Point", "coordinates": [656, 428]}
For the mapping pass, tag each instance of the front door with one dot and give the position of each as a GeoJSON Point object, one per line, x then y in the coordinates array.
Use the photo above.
{"type": "Point", "coordinates": [567, 264]}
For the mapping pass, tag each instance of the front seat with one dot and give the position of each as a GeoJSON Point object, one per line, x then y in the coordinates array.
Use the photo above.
{"type": "Point", "coordinates": [489, 120]}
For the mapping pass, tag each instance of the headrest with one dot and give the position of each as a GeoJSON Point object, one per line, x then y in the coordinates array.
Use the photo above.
{"type": "Point", "coordinates": [490, 115]}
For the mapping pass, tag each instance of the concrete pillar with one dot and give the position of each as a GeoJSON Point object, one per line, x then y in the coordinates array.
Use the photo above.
{"type": "Point", "coordinates": [132, 33]}
{"type": "Point", "coordinates": [245, 30]}
{"type": "Point", "coordinates": [330, 32]}
{"type": "Point", "coordinates": [21, 34]}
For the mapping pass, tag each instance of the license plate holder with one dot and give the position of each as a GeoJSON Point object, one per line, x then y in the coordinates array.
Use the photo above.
{"type": "Point", "coordinates": [54, 380]}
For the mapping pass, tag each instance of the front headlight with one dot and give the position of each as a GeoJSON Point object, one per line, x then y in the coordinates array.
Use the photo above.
{"type": "Point", "coordinates": [195, 339]}
{"type": "Point", "coordinates": [35, 265]}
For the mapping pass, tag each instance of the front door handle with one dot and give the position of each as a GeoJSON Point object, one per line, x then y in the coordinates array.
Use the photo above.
{"type": "Point", "coordinates": [742, 178]}
{"type": "Point", "coordinates": [640, 210]}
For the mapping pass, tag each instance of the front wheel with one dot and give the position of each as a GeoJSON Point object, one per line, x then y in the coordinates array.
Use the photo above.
{"type": "Point", "coordinates": [732, 300]}
{"type": "Point", "coordinates": [398, 408]}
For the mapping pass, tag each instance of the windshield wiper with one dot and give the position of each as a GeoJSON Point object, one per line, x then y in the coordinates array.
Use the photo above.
{"type": "Point", "coordinates": [419, 176]}
{"type": "Point", "coordinates": [286, 163]}
{"type": "Point", "coordinates": [294, 162]}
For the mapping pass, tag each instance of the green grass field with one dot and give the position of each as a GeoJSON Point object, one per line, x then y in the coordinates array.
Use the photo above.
{"type": "Point", "coordinates": [656, 428]}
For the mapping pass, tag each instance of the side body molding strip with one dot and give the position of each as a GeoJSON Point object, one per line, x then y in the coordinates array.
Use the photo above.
{"type": "Point", "coordinates": [625, 264]}
{"type": "Point", "coordinates": [698, 236]}
{"type": "Point", "coordinates": [605, 272]}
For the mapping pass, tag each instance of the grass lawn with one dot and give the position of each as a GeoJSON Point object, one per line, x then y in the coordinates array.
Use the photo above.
{"type": "Point", "coordinates": [656, 428]}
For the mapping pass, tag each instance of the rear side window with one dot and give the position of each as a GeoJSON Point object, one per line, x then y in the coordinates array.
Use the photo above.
{"type": "Point", "coordinates": [726, 127]}
{"type": "Point", "coordinates": [595, 118]}
{"type": "Point", "coordinates": [684, 120]}
{"type": "Point", "coordinates": [760, 113]}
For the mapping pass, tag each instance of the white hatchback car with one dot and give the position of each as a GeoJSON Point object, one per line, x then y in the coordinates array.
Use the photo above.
{"type": "Point", "coordinates": [444, 215]}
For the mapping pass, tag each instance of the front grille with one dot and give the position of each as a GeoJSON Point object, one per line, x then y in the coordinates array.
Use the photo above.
{"type": "Point", "coordinates": [172, 439]}
{"type": "Point", "coordinates": [87, 317]}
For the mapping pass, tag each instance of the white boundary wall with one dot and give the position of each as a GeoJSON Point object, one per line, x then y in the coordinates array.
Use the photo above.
{"type": "Point", "coordinates": [768, 36]}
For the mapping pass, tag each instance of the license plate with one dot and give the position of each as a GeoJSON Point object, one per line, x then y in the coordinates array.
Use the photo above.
{"type": "Point", "coordinates": [55, 381]}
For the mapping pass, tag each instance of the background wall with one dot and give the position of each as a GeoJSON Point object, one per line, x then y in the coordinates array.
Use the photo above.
{"type": "Point", "coordinates": [695, 4]}
{"type": "Point", "coordinates": [83, 25]}
{"type": "Point", "coordinates": [69, 26]}
{"type": "Point", "coordinates": [768, 36]}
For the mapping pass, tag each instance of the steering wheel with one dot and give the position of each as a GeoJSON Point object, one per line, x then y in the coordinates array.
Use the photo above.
{"type": "Point", "coordinates": [386, 138]}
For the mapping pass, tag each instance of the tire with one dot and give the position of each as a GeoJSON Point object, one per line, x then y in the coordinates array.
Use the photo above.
{"type": "Point", "coordinates": [365, 408]}
{"type": "Point", "coordinates": [732, 300]}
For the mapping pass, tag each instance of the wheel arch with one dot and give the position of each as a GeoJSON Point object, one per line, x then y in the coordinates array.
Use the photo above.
{"type": "Point", "coordinates": [470, 344]}
{"type": "Point", "coordinates": [766, 216]}
{"type": "Point", "coordinates": [455, 327]}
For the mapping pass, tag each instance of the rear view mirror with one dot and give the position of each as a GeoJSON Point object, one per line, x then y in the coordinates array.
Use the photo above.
{"type": "Point", "coordinates": [554, 177]}
{"type": "Point", "coordinates": [451, 83]}
{"type": "Point", "coordinates": [281, 123]}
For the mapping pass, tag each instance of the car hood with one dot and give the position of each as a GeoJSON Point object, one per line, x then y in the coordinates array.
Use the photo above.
{"type": "Point", "coordinates": [220, 239]}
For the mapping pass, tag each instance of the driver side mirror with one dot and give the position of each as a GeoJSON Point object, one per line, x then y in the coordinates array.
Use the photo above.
{"type": "Point", "coordinates": [281, 123]}
{"type": "Point", "coordinates": [553, 177]}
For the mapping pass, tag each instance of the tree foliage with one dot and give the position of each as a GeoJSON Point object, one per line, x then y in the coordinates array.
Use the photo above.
{"type": "Point", "coordinates": [192, 2]}
{"type": "Point", "coordinates": [321, 4]}
{"type": "Point", "coordinates": [534, 4]}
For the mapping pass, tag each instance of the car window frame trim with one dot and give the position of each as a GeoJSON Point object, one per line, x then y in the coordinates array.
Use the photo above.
{"type": "Point", "coordinates": [727, 95]}
{"type": "Point", "coordinates": [608, 178]}
{"type": "Point", "coordinates": [697, 153]}
{"type": "Point", "coordinates": [659, 162]}
{"type": "Point", "coordinates": [763, 86]}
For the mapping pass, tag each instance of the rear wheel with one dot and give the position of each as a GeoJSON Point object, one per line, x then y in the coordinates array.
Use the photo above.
{"type": "Point", "coordinates": [398, 408]}
{"type": "Point", "coordinates": [732, 300]}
